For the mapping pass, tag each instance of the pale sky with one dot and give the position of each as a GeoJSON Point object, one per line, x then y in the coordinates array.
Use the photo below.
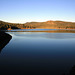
{"type": "Point", "coordinates": [21, 11]}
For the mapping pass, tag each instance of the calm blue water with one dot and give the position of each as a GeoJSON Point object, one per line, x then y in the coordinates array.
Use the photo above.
{"type": "Point", "coordinates": [38, 53]}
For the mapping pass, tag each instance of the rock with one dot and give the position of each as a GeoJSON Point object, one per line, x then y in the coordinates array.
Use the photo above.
{"type": "Point", "coordinates": [4, 39]}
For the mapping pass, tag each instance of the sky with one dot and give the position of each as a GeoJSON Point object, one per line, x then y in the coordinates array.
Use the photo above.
{"type": "Point", "coordinates": [22, 11]}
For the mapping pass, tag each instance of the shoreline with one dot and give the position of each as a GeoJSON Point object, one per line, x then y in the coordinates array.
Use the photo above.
{"type": "Point", "coordinates": [49, 31]}
{"type": "Point", "coordinates": [4, 39]}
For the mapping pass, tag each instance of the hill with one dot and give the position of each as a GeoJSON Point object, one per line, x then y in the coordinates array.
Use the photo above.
{"type": "Point", "coordinates": [45, 25]}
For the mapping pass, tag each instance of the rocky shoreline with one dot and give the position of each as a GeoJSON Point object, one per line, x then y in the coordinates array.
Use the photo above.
{"type": "Point", "coordinates": [4, 39]}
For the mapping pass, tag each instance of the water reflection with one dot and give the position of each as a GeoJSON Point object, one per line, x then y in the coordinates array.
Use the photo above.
{"type": "Point", "coordinates": [44, 35]}
{"type": "Point", "coordinates": [38, 53]}
{"type": "Point", "coordinates": [44, 30]}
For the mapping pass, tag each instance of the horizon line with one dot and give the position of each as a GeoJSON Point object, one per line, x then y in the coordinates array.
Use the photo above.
{"type": "Point", "coordinates": [37, 21]}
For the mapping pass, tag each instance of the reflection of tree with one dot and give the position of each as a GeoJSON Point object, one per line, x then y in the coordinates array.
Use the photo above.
{"type": "Point", "coordinates": [4, 39]}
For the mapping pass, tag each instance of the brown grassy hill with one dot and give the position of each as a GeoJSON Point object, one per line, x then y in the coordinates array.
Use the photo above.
{"type": "Point", "coordinates": [53, 25]}
{"type": "Point", "coordinates": [45, 25]}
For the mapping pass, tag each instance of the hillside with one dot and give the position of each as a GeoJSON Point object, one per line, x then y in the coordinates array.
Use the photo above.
{"type": "Point", "coordinates": [45, 25]}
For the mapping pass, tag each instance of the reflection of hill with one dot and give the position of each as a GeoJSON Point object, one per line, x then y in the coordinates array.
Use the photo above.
{"type": "Point", "coordinates": [4, 39]}
{"type": "Point", "coordinates": [49, 31]}
{"type": "Point", "coordinates": [51, 34]}
{"type": "Point", "coordinates": [56, 31]}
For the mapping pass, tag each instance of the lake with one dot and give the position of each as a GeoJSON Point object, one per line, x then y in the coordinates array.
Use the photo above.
{"type": "Point", "coordinates": [38, 53]}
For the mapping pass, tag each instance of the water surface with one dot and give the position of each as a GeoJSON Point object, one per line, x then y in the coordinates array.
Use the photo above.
{"type": "Point", "coordinates": [38, 53]}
